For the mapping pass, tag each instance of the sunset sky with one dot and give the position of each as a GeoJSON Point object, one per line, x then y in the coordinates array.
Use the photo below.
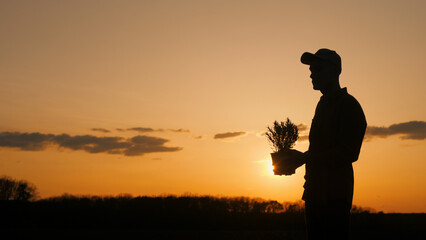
{"type": "Point", "coordinates": [172, 97]}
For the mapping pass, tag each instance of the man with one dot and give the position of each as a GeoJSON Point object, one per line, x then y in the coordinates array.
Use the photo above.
{"type": "Point", "coordinates": [335, 139]}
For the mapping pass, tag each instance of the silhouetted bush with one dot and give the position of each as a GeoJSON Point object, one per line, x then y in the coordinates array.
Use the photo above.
{"type": "Point", "coordinates": [21, 190]}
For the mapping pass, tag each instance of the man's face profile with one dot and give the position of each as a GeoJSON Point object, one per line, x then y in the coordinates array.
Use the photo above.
{"type": "Point", "coordinates": [321, 75]}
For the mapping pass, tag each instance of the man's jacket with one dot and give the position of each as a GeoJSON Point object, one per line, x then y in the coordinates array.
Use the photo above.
{"type": "Point", "coordinates": [335, 138]}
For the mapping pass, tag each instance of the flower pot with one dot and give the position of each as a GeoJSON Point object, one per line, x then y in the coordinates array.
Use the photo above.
{"type": "Point", "coordinates": [282, 162]}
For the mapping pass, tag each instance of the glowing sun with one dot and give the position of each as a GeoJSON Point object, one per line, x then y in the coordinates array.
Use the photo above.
{"type": "Point", "coordinates": [269, 167]}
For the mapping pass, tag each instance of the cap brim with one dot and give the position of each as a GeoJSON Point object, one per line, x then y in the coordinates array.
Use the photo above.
{"type": "Point", "coordinates": [308, 58]}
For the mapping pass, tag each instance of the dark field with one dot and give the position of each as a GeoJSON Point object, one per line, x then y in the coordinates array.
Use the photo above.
{"type": "Point", "coordinates": [190, 217]}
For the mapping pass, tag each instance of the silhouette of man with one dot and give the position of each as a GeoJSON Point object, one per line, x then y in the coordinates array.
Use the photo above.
{"type": "Point", "coordinates": [335, 139]}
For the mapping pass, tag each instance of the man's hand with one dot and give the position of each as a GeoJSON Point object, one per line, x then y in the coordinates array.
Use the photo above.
{"type": "Point", "coordinates": [292, 159]}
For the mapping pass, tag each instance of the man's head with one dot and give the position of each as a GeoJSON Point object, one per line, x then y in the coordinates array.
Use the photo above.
{"type": "Point", "coordinates": [325, 66]}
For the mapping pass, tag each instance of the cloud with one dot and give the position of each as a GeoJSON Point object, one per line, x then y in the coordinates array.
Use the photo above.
{"type": "Point", "coordinates": [134, 146]}
{"type": "Point", "coordinates": [101, 130]}
{"type": "Point", "coordinates": [141, 129]}
{"type": "Point", "coordinates": [180, 130]}
{"type": "Point", "coordinates": [25, 141]}
{"type": "Point", "coordinates": [147, 144]}
{"type": "Point", "coordinates": [145, 129]}
{"type": "Point", "coordinates": [148, 140]}
{"type": "Point", "coordinates": [91, 144]}
{"type": "Point", "coordinates": [414, 130]}
{"type": "Point", "coordinates": [228, 135]}
{"type": "Point", "coordinates": [303, 138]}
{"type": "Point", "coordinates": [302, 127]}
{"type": "Point", "coordinates": [261, 134]}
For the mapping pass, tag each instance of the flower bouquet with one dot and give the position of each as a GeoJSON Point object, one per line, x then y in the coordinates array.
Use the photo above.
{"type": "Point", "coordinates": [282, 137]}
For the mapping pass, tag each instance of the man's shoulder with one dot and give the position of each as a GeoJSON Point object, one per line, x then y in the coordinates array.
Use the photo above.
{"type": "Point", "coordinates": [349, 105]}
{"type": "Point", "coordinates": [349, 100]}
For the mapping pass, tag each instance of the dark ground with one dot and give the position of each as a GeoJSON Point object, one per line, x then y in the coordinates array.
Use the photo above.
{"type": "Point", "coordinates": [70, 217]}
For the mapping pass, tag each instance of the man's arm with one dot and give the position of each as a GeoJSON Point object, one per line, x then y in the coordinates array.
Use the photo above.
{"type": "Point", "coordinates": [352, 126]}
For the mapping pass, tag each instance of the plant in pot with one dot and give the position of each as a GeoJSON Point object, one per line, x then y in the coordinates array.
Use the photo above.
{"type": "Point", "coordinates": [283, 136]}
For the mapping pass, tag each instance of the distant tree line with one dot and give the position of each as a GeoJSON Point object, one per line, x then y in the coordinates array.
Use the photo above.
{"type": "Point", "coordinates": [189, 213]}
{"type": "Point", "coordinates": [161, 212]}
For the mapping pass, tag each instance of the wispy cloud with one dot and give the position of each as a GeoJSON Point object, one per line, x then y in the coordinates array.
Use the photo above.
{"type": "Point", "coordinates": [147, 129]}
{"type": "Point", "coordinates": [415, 130]}
{"type": "Point", "coordinates": [134, 146]}
{"type": "Point", "coordinates": [143, 129]}
{"type": "Point", "coordinates": [303, 138]}
{"type": "Point", "coordinates": [302, 127]}
{"type": "Point", "coordinates": [101, 130]}
{"type": "Point", "coordinates": [180, 130]}
{"type": "Point", "coordinates": [228, 135]}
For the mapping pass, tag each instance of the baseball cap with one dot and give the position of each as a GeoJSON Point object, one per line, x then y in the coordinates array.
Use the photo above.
{"type": "Point", "coordinates": [323, 54]}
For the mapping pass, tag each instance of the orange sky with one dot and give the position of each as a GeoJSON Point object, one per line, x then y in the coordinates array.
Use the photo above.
{"type": "Point", "coordinates": [204, 67]}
